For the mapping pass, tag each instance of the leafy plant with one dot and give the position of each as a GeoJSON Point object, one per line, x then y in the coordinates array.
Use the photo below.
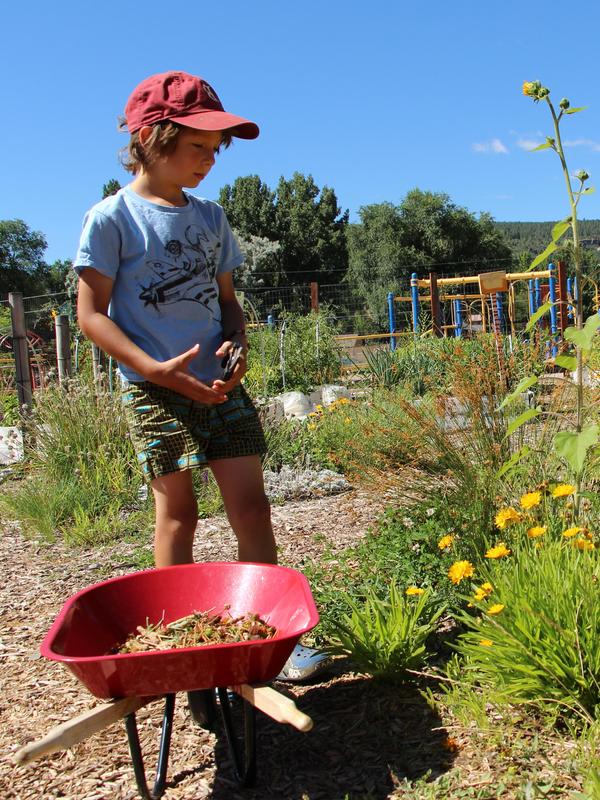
{"type": "Point", "coordinates": [535, 638]}
{"type": "Point", "coordinates": [387, 636]}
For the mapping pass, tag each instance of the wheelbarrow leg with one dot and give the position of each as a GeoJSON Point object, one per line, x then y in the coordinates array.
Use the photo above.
{"type": "Point", "coordinates": [244, 756]}
{"type": "Point", "coordinates": [163, 755]}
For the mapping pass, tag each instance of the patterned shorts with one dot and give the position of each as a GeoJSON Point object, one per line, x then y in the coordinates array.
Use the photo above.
{"type": "Point", "coordinates": [171, 433]}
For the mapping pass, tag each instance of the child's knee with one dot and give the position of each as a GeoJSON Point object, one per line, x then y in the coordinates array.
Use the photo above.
{"type": "Point", "coordinates": [182, 518]}
{"type": "Point", "coordinates": [254, 511]}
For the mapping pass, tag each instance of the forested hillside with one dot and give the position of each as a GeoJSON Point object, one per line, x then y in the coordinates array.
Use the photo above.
{"type": "Point", "coordinates": [533, 237]}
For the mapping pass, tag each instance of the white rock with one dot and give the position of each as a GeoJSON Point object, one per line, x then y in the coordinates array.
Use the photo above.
{"type": "Point", "coordinates": [11, 445]}
{"type": "Point", "coordinates": [330, 393]}
{"type": "Point", "coordinates": [295, 404]}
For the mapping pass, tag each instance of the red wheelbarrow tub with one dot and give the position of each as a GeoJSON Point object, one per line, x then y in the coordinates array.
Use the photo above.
{"type": "Point", "coordinates": [95, 620]}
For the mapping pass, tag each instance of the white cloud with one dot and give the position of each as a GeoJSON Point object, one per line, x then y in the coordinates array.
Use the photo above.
{"type": "Point", "coordinates": [528, 144]}
{"type": "Point", "coordinates": [493, 146]}
{"type": "Point", "coordinates": [582, 143]}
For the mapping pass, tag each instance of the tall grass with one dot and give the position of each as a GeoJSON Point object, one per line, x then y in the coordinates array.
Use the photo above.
{"type": "Point", "coordinates": [81, 477]}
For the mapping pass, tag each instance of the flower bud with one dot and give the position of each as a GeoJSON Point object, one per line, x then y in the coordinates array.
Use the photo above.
{"type": "Point", "coordinates": [582, 175]}
{"type": "Point", "coordinates": [564, 104]}
{"type": "Point", "coordinates": [543, 91]}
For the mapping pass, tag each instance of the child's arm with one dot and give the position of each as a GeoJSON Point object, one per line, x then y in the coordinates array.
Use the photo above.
{"type": "Point", "coordinates": [232, 319]}
{"type": "Point", "coordinates": [95, 292]}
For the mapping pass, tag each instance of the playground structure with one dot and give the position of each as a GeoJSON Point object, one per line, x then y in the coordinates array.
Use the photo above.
{"type": "Point", "coordinates": [490, 306]}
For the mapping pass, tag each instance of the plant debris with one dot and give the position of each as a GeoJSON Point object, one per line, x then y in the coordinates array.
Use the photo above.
{"type": "Point", "coordinates": [197, 629]}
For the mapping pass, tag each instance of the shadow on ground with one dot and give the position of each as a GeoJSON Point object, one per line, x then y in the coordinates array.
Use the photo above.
{"type": "Point", "coordinates": [366, 737]}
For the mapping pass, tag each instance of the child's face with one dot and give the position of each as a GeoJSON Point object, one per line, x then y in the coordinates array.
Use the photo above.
{"type": "Point", "coordinates": [192, 159]}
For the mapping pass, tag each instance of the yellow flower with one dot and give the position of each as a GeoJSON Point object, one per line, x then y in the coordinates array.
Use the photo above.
{"type": "Point", "coordinates": [537, 530]}
{"type": "Point", "coordinates": [311, 426]}
{"type": "Point", "coordinates": [347, 420]}
{"type": "Point", "coordinates": [483, 591]}
{"type": "Point", "coordinates": [414, 590]}
{"type": "Point", "coordinates": [486, 643]}
{"type": "Point", "coordinates": [460, 570]}
{"type": "Point", "coordinates": [531, 499]}
{"type": "Point", "coordinates": [528, 87]}
{"type": "Point", "coordinates": [507, 516]}
{"type": "Point", "coordinates": [563, 490]}
{"type": "Point", "coordinates": [572, 532]}
{"type": "Point", "coordinates": [495, 609]}
{"type": "Point", "coordinates": [445, 542]}
{"type": "Point", "coordinates": [318, 408]}
{"type": "Point", "coordinates": [583, 544]}
{"type": "Point", "coordinates": [499, 551]}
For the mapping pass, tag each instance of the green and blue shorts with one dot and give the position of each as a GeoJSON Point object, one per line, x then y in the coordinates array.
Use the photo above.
{"type": "Point", "coordinates": [171, 433]}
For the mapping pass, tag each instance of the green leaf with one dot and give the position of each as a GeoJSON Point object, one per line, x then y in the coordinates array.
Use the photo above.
{"type": "Point", "coordinates": [514, 459]}
{"type": "Point", "coordinates": [543, 146]}
{"type": "Point", "coordinates": [560, 228]}
{"type": "Point", "coordinates": [584, 337]}
{"type": "Point", "coordinates": [575, 110]}
{"type": "Point", "coordinates": [522, 419]}
{"type": "Point", "coordinates": [521, 387]}
{"type": "Point", "coordinates": [566, 362]}
{"type": "Point", "coordinates": [542, 256]}
{"type": "Point", "coordinates": [539, 313]}
{"type": "Point", "coordinates": [589, 190]}
{"type": "Point", "coordinates": [573, 447]}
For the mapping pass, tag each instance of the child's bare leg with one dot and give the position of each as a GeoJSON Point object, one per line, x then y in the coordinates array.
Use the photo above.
{"type": "Point", "coordinates": [176, 518]}
{"type": "Point", "coordinates": [242, 489]}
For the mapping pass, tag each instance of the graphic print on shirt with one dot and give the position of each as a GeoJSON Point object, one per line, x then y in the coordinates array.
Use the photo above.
{"type": "Point", "coordinates": [189, 275]}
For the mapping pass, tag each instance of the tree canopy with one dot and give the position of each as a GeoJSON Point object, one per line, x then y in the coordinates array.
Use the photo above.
{"type": "Point", "coordinates": [306, 221]}
{"type": "Point", "coordinates": [425, 233]}
{"type": "Point", "coordinates": [21, 257]}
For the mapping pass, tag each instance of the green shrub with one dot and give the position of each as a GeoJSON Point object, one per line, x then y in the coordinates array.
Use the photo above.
{"type": "Point", "coordinates": [386, 636]}
{"type": "Point", "coordinates": [80, 464]}
{"type": "Point", "coordinates": [310, 355]}
{"type": "Point", "coordinates": [535, 638]}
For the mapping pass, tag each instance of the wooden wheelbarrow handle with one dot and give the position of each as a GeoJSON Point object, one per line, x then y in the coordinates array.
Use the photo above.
{"type": "Point", "coordinates": [267, 700]}
{"type": "Point", "coordinates": [79, 728]}
{"type": "Point", "coordinates": [275, 705]}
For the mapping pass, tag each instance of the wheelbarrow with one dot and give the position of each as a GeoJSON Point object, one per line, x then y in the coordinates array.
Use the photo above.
{"type": "Point", "coordinates": [96, 620]}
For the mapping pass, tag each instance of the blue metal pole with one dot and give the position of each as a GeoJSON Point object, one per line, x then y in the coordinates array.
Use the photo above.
{"type": "Point", "coordinates": [458, 320]}
{"type": "Point", "coordinates": [270, 322]}
{"type": "Point", "coordinates": [538, 296]}
{"type": "Point", "coordinates": [553, 309]}
{"type": "Point", "coordinates": [414, 294]}
{"type": "Point", "coordinates": [500, 311]}
{"type": "Point", "coordinates": [392, 319]}
{"type": "Point", "coordinates": [531, 297]}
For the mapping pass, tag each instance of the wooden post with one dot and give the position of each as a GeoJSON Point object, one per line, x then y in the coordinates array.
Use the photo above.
{"type": "Point", "coordinates": [314, 296]}
{"type": "Point", "coordinates": [436, 311]}
{"type": "Point", "coordinates": [63, 347]}
{"type": "Point", "coordinates": [561, 286]}
{"type": "Point", "coordinates": [20, 350]}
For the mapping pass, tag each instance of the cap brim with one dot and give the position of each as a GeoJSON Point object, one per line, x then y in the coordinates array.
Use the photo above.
{"type": "Point", "coordinates": [219, 121]}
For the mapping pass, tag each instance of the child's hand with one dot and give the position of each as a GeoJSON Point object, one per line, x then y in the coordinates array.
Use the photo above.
{"type": "Point", "coordinates": [239, 370]}
{"type": "Point", "coordinates": [174, 374]}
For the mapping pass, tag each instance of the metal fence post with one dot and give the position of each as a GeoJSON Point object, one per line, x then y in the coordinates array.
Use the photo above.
{"type": "Point", "coordinates": [63, 347]}
{"type": "Point", "coordinates": [414, 294]}
{"type": "Point", "coordinates": [392, 320]}
{"type": "Point", "coordinates": [21, 353]}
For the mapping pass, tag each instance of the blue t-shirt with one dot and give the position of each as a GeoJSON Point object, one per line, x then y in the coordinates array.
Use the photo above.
{"type": "Point", "coordinates": [164, 262]}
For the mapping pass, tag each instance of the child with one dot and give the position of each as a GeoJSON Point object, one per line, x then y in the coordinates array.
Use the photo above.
{"type": "Point", "coordinates": [156, 292]}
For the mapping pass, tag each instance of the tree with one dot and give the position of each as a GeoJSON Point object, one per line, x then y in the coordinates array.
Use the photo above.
{"type": "Point", "coordinates": [22, 266]}
{"type": "Point", "coordinates": [305, 221]}
{"type": "Point", "coordinates": [110, 187]}
{"type": "Point", "coordinates": [425, 233]}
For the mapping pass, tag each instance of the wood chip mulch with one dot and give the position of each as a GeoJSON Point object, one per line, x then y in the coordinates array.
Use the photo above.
{"type": "Point", "coordinates": [366, 738]}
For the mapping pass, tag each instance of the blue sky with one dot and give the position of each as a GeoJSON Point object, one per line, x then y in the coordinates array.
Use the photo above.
{"type": "Point", "coordinates": [372, 99]}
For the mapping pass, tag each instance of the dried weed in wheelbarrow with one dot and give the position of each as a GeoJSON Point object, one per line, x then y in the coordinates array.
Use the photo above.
{"type": "Point", "coordinates": [197, 629]}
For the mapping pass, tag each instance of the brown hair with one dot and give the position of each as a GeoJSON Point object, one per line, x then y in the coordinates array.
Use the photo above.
{"type": "Point", "coordinates": [161, 142]}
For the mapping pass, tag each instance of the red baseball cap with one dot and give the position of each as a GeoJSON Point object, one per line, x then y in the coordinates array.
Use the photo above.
{"type": "Point", "coordinates": [186, 99]}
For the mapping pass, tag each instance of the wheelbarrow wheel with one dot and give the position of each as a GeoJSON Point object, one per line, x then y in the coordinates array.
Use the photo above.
{"type": "Point", "coordinates": [203, 707]}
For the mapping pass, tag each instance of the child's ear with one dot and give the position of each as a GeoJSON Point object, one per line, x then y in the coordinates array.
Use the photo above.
{"type": "Point", "coordinates": [144, 134]}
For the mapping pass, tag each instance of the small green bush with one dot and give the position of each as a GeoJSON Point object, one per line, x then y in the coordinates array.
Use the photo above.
{"type": "Point", "coordinates": [386, 636]}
